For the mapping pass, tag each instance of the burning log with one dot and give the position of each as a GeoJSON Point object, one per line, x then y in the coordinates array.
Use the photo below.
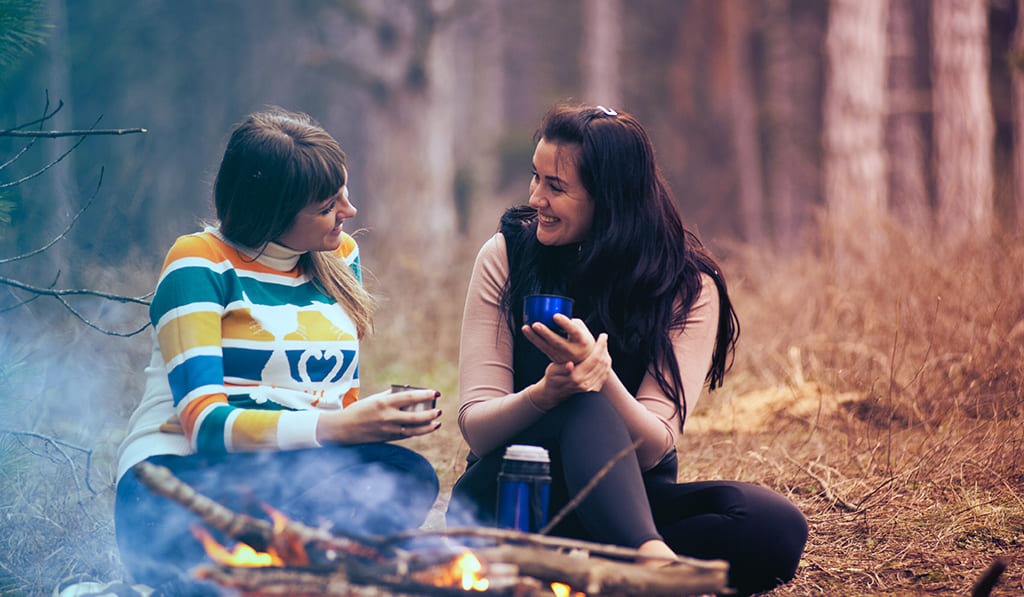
{"type": "Point", "coordinates": [318, 562]}
{"type": "Point", "coordinates": [295, 543]}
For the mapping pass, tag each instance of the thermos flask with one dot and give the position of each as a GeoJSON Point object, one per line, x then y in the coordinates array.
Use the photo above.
{"type": "Point", "coordinates": [524, 486]}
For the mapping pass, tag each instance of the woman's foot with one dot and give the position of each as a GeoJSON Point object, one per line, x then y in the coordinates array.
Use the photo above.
{"type": "Point", "coordinates": [656, 553]}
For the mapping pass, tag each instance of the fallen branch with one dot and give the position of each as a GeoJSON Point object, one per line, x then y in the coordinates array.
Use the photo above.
{"type": "Point", "coordinates": [296, 543]}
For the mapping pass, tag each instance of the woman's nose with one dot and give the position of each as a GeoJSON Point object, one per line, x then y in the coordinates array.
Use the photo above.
{"type": "Point", "coordinates": [345, 210]}
{"type": "Point", "coordinates": [536, 197]}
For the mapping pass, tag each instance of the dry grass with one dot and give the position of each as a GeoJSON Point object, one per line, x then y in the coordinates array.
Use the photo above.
{"type": "Point", "coordinates": [886, 403]}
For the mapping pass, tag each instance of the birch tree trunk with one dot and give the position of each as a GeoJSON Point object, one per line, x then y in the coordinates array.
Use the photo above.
{"type": "Point", "coordinates": [908, 186]}
{"type": "Point", "coordinates": [601, 51]}
{"type": "Point", "coordinates": [855, 164]}
{"type": "Point", "coordinates": [1017, 74]}
{"type": "Point", "coordinates": [963, 122]}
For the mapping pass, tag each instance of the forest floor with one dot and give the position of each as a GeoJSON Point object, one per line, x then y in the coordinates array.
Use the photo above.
{"type": "Point", "coordinates": [886, 403]}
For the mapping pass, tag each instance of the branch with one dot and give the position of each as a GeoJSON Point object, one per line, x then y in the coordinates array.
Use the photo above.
{"type": "Point", "coordinates": [140, 300]}
{"type": "Point", "coordinates": [46, 114]}
{"type": "Point", "coordinates": [50, 165]}
{"type": "Point", "coordinates": [52, 134]}
{"type": "Point", "coordinates": [82, 318]}
{"type": "Point", "coordinates": [66, 230]}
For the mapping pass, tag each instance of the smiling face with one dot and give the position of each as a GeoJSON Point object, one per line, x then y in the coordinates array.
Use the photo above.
{"type": "Point", "coordinates": [565, 211]}
{"type": "Point", "coordinates": [317, 227]}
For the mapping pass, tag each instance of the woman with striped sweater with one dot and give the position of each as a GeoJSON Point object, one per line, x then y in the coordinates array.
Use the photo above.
{"type": "Point", "coordinates": [252, 396]}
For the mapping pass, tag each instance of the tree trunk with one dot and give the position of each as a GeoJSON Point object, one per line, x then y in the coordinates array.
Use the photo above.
{"type": "Point", "coordinates": [792, 121]}
{"type": "Point", "coordinates": [735, 20]}
{"type": "Point", "coordinates": [908, 186]}
{"type": "Point", "coordinates": [600, 52]}
{"type": "Point", "coordinates": [401, 58]}
{"type": "Point", "coordinates": [855, 165]}
{"type": "Point", "coordinates": [1017, 73]}
{"type": "Point", "coordinates": [963, 120]}
{"type": "Point", "coordinates": [481, 70]}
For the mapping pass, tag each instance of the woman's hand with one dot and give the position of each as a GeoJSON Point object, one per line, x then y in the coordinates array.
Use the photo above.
{"type": "Point", "coordinates": [380, 418]}
{"type": "Point", "coordinates": [564, 379]}
{"type": "Point", "coordinates": [575, 346]}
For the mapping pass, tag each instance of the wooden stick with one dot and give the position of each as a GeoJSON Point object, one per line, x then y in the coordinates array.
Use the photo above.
{"type": "Point", "coordinates": [589, 487]}
{"type": "Point", "coordinates": [292, 543]}
{"type": "Point", "coordinates": [597, 576]}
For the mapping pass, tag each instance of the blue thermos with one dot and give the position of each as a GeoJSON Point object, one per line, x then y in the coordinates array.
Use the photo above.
{"type": "Point", "coordinates": [524, 488]}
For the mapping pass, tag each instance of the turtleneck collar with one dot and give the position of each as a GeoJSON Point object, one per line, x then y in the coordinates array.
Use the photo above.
{"type": "Point", "coordinates": [274, 255]}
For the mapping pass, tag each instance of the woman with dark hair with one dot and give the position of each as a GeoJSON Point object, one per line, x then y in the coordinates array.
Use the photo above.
{"type": "Point", "coordinates": [652, 324]}
{"type": "Point", "coordinates": [252, 396]}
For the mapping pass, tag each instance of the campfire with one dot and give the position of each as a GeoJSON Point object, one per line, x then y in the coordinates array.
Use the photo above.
{"type": "Point", "coordinates": [286, 557]}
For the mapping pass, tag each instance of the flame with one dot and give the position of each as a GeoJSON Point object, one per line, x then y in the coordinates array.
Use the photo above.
{"type": "Point", "coordinates": [242, 555]}
{"type": "Point", "coordinates": [564, 590]}
{"type": "Point", "coordinates": [279, 519]}
{"type": "Point", "coordinates": [469, 567]}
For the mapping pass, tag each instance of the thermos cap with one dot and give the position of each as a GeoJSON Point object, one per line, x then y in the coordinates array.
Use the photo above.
{"type": "Point", "coordinates": [526, 453]}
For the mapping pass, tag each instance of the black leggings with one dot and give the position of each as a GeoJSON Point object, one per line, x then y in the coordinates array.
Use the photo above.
{"type": "Point", "coordinates": [364, 489]}
{"type": "Point", "coordinates": [759, 532]}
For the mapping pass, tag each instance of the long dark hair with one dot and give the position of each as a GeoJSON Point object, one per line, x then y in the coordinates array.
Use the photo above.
{"type": "Point", "coordinates": [276, 163]}
{"type": "Point", "coordinates": [636, 260]}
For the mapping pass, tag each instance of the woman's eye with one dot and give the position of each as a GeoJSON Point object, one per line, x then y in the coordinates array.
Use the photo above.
{"type": "Point", "coordinates": [327, 209]}
{"type": "Point", "coordinates": [555, 188]}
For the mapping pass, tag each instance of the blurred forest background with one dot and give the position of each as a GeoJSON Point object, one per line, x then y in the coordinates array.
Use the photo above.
{"type": "Point", "coordinates": [856, 164]}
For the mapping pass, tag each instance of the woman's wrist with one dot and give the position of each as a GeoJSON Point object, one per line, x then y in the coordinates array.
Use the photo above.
{"type": "Point", "coordinates": [329, 427]}
{"type": "Point", "coordinates": [535, 396]}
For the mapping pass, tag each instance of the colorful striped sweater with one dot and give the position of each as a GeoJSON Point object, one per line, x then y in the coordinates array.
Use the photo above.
{"type": "Point", "coordinates": [253, 351]}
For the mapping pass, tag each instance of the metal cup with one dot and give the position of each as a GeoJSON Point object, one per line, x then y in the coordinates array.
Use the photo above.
{"type": "Point", "coordinates": [416, 406]}
{"type": "Point", "coordinates": [542, 308]}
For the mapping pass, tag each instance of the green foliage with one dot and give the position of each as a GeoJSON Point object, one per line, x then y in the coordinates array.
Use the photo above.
{"type": "Point", "coordinates": [22, 25]}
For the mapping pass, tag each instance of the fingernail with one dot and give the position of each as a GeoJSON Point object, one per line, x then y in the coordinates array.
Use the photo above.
{"type": "Point", "coordinates": [437, 394]}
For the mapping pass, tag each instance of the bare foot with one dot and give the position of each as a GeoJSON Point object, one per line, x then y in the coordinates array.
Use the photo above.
{"type": "Point", "coordinates": [657, 553]}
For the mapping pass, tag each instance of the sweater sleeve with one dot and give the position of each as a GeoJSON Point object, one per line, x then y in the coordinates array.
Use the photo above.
{"type": "Point", "coordinates": [489, 412]}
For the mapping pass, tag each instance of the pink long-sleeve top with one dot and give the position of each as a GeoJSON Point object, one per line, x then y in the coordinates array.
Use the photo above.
{"type": "Point", "coordinates": [490, 413]}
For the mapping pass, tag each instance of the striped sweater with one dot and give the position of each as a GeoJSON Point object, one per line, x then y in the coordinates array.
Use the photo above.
{"type": "Point", "coordinates": [251, 348]}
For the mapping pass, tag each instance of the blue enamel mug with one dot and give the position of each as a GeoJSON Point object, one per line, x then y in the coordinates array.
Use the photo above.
{"type": "Point", "coordinates": [542, 308]}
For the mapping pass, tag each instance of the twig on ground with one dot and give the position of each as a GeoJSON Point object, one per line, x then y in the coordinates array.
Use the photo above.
{"type": "Point", "coordinates": [825, 487]}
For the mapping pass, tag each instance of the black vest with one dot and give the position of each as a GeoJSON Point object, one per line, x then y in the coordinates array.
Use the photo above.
{"type": "Point", "coordinates": [519, 228]}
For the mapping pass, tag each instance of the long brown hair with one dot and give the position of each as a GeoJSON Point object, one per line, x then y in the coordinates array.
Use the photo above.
{"type": "Point", "coordinates": [276, 163]}
{"type": "Point", "coordinates": [637, 259]}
